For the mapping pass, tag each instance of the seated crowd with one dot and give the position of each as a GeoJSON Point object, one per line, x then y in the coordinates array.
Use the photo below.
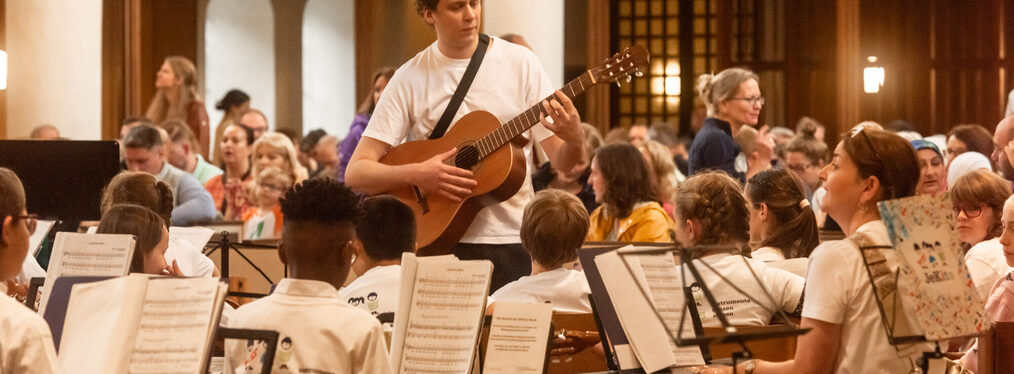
{"type": "Point", "coordinates": [752, 212]}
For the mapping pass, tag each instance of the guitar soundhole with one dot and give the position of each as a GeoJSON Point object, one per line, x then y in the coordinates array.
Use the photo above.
{"type": "Point", "coordinates": [467, 157]}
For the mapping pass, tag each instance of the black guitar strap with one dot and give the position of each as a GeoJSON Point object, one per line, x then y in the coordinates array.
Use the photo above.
{"type": "Point", "coordinates": [459, 93]}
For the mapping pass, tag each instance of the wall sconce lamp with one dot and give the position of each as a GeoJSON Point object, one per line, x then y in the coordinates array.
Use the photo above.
{"type": "Point", "coordinates": [873, 76]}
{"type": "Point", "coordinates": [3, 70]}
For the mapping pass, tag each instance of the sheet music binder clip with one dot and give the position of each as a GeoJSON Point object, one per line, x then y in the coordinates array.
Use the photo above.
{"type": "Point", "coordinates": [731, 335]}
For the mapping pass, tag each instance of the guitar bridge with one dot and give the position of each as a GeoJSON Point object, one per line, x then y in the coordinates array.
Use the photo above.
{"type": "Point", "coordinates": [421, 199]}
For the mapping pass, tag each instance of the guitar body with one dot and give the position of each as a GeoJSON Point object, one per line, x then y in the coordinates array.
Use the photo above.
{"type": "Point", "coordinates": [440, 222]}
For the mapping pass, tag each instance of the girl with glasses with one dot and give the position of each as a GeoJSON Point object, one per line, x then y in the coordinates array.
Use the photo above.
{"type": "Point", "coordinates": [978, 199]}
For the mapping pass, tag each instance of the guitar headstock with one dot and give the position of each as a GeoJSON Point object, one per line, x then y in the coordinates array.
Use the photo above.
{"type": "Point", "coordinates": [621, 66]}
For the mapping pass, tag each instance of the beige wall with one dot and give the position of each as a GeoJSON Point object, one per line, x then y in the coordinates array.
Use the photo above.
{"type": "Point", "coordinates": [540, 22]}
{"type": "Point", "coordinates": [55, 56]}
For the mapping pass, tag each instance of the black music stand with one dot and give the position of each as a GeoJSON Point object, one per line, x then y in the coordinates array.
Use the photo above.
{"type": "Point", "coordinates": [731, 335]}
{"type": "Point", "coordinates": [226, 242]}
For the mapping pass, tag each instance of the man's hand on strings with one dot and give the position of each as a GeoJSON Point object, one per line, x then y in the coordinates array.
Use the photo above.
{"type": "Point", "coordinates": [566, 122]}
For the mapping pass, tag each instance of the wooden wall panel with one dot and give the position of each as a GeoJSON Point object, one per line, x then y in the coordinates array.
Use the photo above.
{"type": "Point", "coordinates": [289, 64]}
{"type": "Point", "coordinates": [388, 33]}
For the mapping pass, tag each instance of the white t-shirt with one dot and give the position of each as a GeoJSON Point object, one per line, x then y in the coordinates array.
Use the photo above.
{"type": "Point", "coordinates": [376, 291]}
{"type": "Point", "coordinates": [509, 81]}
{"type": "Point", "coordinates": [986, 264]}
{"type": "Point", "coordinates": [26, 345]}
{"type": "Point", "coordinates": [785, 289]}
{"type": "Point", "coordinates": [318, 333]}
{"type": "Point", "coordinates": [567, 289]}
{"type": "Point", "coordinates": [767, 254]}
{"type": "Point", "coordinates": [838, 291]}
{"type": "Point", "coordinates": [191, 261]}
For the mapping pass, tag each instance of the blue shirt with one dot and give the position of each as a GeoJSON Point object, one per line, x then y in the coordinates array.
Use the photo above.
{"type": "Point", "coordinates": [715, 149]}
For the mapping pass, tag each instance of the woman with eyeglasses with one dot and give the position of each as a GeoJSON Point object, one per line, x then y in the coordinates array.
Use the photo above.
{"type": "Point", "coordinates": [848, 334]}
{"type": "Point", "coordinates": [978, 199]}
{"type": "Point", "coordinates": [733, 99]}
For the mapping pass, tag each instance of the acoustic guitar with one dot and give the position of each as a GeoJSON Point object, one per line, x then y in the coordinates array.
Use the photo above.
{"type": "Point", "coordinates": [493, 153]}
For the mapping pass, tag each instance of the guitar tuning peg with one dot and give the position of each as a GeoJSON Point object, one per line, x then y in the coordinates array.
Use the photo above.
{"type": "Point", "coordinates": [619, 83]}
{"type": "Point", "coordinates": [639, 73]}
{"type": "Point", "coordinates": [629, 78]}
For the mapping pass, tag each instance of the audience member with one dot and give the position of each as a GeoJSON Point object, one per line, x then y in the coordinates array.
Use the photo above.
{"type": "Point", "coordinates": [713, 218]}
{"type": "Point", "coordinates": [1003, 138]}
{"type": "Point", "coordinates": [264, 220]}
{"type": "Point", "coordinates": [229, 189]}
{"type": "Point", "coordinates": [180, 152]}
{"type": "Point", "coordinates": [781, 221]}
{"type": "Point", "coordinates": [637, 134]}
{"type": "Point", "coordinates": [575, 180]}
{"type": "Point", "coordinates": [385, 232]}
{"type": "Point", "coordinates": [847, 336]}
{"type": "Point", "coordinates": [966, 163]}
{"type": "Point", "coordinates": [978, 199]}
{"type": "Point", "coordinates": [348, 145]}
{"type": "Point", "coordinates": [254, 120]}
{"type": "Point", "coordinates": [139, 188]}
{"type": "Point", "coordinates": [553, 228]}
{"type": "Point", "coordinates": [968, 138]}
{"type": "Point", "coordinates": [128, 124]}
{"type": "Point", "coordinates": [805, 124]}
{"type": "Point", "coordinates": [151, 238]}
{"type": "Point", "coordinates": [733, 100]}
{"type": "Point", "coordinates": [232, 104]}
{"type": "Point", "coordinates": [665, 134]}
{"type": "Point", "coordinates": [320, 219]}
{"type": "Point", "coordinates": [144, 152]}
{"type": "Point", "coordinates": [1000, 303]}
{"type": "Point", "coordinates": [933, 170]}
{"type": "Point", "coordinates": [781, 136]}
{"type": "Point", "coordinates": [275, 149]}
{"type": "Point", "coordinates": [178, 98]}
{"type": "Point", "coordinates": [663, 173]}
{"type": "Point", "coordinates": [617, 135]}
{"type": "Point", "coordinates": [903, 129]}
{"type": "Point", "coordinates": [326, 155]}
{"type": "Point", "coordinates": [26, 345]}
{"type": "Point", "coordinates": [622, 184]}
{"type": "Point", "coordinates": [45, 132]}
{"type": "Point", "coordinates": [806, 156]}
{"type": "Point", "coordinates": [306, 146]}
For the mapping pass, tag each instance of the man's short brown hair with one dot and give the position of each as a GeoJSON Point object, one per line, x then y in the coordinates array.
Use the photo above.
{"type": "Point", "coordinates": [554, 226]}
{"type": "Point", "coordinates": [179, 132]}
{"type": "Point", "coordinates": [421, 5]}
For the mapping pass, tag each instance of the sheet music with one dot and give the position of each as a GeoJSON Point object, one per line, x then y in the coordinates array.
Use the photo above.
{"type": "Point", "coordinates": [100, 325]}
{"type": "Point", "coordinates": [663, 281]}
{"type": "Point", "coordinates": [443, 317]}
{"type": "Point", "coordinates": [173, 327]}
{"type": "Point", "coordinates": [517, 338]}
{"type": "Point", "coordinates": [198, 236]}
{"type": "Point", "coordinates": [77, 254]}
{"type": "Point", "coordinates": [42, 228]}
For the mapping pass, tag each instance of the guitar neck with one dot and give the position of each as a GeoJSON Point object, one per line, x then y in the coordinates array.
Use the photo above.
{"type": "Point", "coordinates": [524, 121]}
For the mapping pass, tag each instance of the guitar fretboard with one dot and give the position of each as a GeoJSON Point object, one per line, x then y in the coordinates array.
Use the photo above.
{"type": "Point", "coordinates": [528, 118]}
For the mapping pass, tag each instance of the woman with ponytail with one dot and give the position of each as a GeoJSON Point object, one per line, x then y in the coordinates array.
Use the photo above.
{"type": "Point", "coordinates": [781, 221]}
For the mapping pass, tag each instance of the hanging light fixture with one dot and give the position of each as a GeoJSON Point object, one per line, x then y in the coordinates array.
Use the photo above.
{"type": "Point", "coordinates": [873, 76]}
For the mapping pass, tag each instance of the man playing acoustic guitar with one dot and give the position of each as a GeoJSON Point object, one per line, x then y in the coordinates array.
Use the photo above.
{"type": "Point", "coordinates": [509, 80]}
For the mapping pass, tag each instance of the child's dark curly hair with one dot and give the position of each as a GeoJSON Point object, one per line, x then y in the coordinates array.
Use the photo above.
{"type": "Point", "coordinates": [321, 200]}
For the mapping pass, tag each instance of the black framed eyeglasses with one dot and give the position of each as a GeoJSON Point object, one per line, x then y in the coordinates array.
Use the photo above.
{"type": "Point", "coordinates": [752, 100]}
{"type": "Point", "coordinates": [971, 211]}
{"type": "Point", "coordinates": [31, 220]}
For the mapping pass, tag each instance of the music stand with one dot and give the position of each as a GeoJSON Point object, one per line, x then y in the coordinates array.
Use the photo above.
{"type": "Point", "coordinates": [226, 242]}
{"type": "Point", "coordinates": [731, 335]}
{"type": "Point", "coordinates": [269, 337]}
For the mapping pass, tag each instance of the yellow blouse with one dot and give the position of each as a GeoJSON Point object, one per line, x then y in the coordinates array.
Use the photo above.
{"type": "Point", "coordinates": [648, 222]}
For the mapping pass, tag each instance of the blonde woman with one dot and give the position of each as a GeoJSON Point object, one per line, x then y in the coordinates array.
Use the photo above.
{"type": "Point", "coordinates": [275, 149]}
{"type": "Point", "coordinates": [177, 98]}
{"type": "Point", "coordinates": [663, 172]}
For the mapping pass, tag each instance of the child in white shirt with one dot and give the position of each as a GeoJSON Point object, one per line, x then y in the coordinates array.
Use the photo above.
{"type": "Point", "coordinates": [26, 345]}
{"type": "Point", "coordinates": [553, 227]}
{"type": "Point", "coordinates": [386, 230]}
{"type": "Point", "coordinates": [318, 332]}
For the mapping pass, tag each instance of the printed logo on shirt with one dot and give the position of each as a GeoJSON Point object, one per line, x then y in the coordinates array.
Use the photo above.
{"type": "Point", "coordinates": [370, 303]}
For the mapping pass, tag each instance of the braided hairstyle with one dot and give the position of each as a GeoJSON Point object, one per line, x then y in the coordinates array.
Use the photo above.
{"type": "Point", "coordinates": [795, 231]}
{"type": "Point", "coordinates": [134, 187]}
{"type": "Point", "coordinates": [715, 202]}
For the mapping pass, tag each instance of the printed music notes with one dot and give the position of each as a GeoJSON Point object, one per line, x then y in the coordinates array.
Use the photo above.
{"type": "Point", "coordinates": [440, 311]}
{"type": "Point", "coordinates": [77, 254]}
